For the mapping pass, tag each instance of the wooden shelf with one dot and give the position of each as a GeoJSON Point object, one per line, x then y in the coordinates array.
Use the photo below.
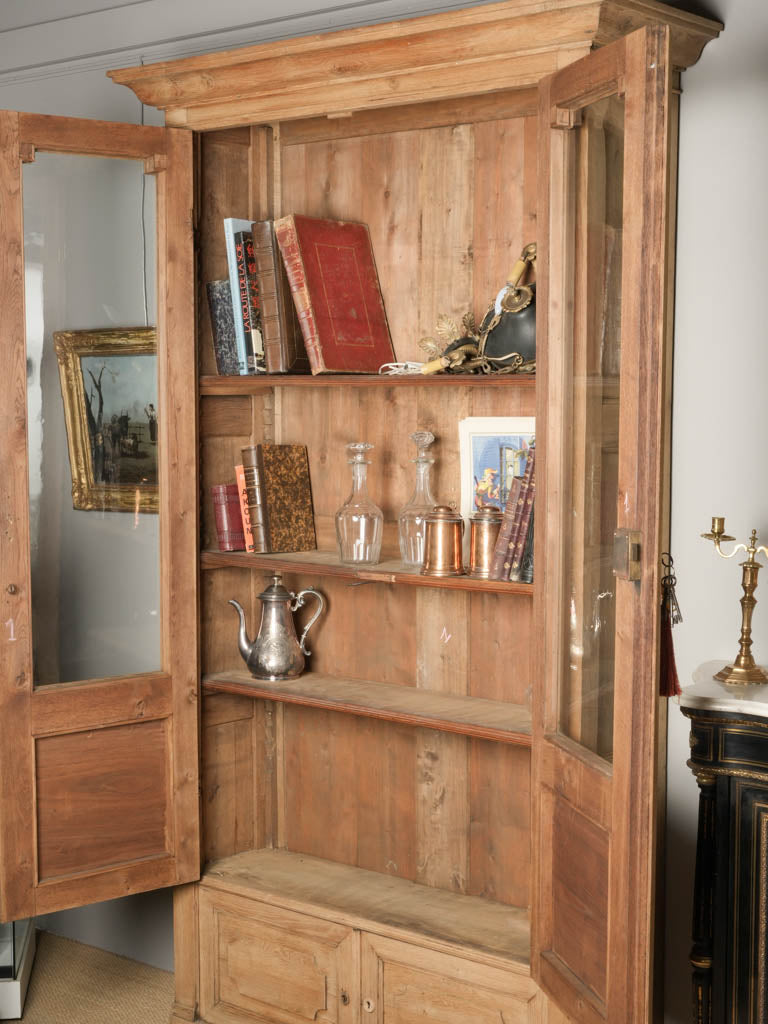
{"type": "Point", "coordinates": [326, 563]}
{"type": "Point", "coordinates": [248, 385]}
{"type": "Point", "coordinates": [376, 903]}
{"type": "Point", "coordinates": [468, 716]}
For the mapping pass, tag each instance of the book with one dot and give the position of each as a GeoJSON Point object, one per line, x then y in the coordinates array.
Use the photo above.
{"type": "Point", "coordinates": [229, 521]}
{"type": "Point", "coordinates": [245, 515]}
{"type": "Point", "coordinates": [231, 226]}
{"type": "Point", "coordinates": [526, 565]}
{"type": "Point", "coordinates": [503, 552]}
{"type": "Point", "coordinates": [223, 328]}
{"type": "Point", "coordinates": [279, 497]}
{"type": "Point", "coordinates": [284, 350]}
{"type": "Point", "coordinates": [248, 297]}
{"type": "Point", "coordinates": [336, 290]}
{"type": "Point", "coordinates": [527, 493]}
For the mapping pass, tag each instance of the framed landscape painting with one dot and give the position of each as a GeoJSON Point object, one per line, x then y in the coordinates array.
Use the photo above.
{"type": "Point", "coordinates": [109, 390]}
{"type": "Point", "coordinates": [493, 451]}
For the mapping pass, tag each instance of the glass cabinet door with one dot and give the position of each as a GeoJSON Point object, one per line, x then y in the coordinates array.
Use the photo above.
{"type": "Point", "coordinates": [98, 687]}
{"type": "Point", "coordinates": [600, 420]}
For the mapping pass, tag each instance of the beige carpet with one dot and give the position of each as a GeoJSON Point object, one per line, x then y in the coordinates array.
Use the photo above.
{"type": "Point", "coordinates": [76, 984]}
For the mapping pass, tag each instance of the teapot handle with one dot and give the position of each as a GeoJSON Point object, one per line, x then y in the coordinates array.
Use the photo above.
{"type": "Point", "coordinates": [298, 601]}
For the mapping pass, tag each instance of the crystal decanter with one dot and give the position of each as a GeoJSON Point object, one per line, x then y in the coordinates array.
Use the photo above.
{"type": "Point", "coordinates": [411, 524]}
{"type": "Point", "coordinates": [359, 523]}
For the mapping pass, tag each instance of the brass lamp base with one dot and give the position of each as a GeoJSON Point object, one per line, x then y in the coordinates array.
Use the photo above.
{"type": "Point", "coordinates": [737, 676]}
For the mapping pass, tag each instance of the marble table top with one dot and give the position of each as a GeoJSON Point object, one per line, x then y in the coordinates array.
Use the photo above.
{"type": "Point", "coordinates": [711, 694]}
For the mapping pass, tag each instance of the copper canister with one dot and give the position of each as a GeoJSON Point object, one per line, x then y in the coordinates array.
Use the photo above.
{"type": "Point", "coordinates": [484, 529]}
{"type": "Point", "coordinates": [444, 530]}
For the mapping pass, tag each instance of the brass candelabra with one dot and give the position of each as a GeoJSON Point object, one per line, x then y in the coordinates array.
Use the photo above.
{"type": "Point", "coordinates": [744, 669]}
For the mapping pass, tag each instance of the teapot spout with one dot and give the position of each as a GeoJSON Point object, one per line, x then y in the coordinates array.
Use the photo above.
{"type": "Point", "coordinates": [242, 637]}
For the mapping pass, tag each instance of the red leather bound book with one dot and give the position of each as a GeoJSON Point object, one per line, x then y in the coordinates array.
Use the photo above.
{"type": "Point", "coordinates": [229, 522]}
{"type": "Point", "coordinates": [336, 290]}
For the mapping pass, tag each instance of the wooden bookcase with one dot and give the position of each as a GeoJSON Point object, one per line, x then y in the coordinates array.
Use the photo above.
{"type": "Point", "coordinates": [417, 827]}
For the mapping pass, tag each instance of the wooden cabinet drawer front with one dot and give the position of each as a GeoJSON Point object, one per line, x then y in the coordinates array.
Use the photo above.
{"type": "Point", "coordinates": [262, 963]}
{"type": "Point", "coordinates": [405, 984]}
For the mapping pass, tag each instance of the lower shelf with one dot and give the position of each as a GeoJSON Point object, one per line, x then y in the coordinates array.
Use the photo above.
{"type": "Point", "coordinates": [468, 716]}
{"type": "Point", "coordinates": [380, 904]}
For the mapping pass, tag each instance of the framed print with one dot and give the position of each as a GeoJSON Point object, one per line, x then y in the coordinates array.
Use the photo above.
{"type": "Point", "coordinates": [493, 451]}
{"type": "Point", "coordinates": [109, 390]}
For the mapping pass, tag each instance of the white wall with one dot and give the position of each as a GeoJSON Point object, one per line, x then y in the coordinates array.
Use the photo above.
{"type": "Point", "coordinates": [721, 355]}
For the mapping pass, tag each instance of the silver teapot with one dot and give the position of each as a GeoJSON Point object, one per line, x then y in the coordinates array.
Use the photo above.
{"type": "Point", "coordinates": [277, 653]}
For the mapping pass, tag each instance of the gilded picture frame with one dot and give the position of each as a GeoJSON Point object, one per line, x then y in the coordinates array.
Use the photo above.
{"type": "Point", "coordinates": [109, 391]}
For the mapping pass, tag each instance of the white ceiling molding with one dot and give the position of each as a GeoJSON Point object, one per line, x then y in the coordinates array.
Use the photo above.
{"type": "Point", "coordinates": [147, 31]}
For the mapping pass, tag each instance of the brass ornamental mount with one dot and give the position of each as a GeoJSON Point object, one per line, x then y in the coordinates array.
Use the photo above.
{"type": "Point", "coordinates": [744, 669]}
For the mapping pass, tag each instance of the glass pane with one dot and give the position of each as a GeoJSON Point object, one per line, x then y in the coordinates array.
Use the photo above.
{"type": "Point", "coordinates": [587, 675]}
{"type": "Point", "coordinates": [90, 266]}
{"type": "Point", "coordinates": [7, 959]}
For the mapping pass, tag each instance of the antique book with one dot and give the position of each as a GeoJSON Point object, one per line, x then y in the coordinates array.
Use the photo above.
{"type": "Point", "coordinates": [229, 522]}
{"type": "Point", "coordinates": [223, 328]}
{"type": "Point", "coordinates": [501, 562]}
{"type": "Point", "coordinates": [279, 497]}
{"type": "Point", "coordinates": [250, 306]}
{"type": "Point", "coordinates": [336, 290]}
{"type": "Point", "coordinates": [526, 565]}
{"type": "Point", "coordinates": [231, 226]}
{"type": "Point", "coordinates": [245, 515]}
{"type": "Point", "coordinates": [284, 349]}
{"type": "Point", "coordinates": [527, 494]}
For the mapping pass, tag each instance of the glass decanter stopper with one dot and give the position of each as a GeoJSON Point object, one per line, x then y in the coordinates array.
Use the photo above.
{"type": "Point", "coordinates": [411, 523]}
{"type": "Point", "coordinates": [359, 523]}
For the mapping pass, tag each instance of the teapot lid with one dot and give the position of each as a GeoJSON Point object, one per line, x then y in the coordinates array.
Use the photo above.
{"type": "Point", "coordinates": [276, 591]}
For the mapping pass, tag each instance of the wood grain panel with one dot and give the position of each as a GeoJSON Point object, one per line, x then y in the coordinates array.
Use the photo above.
{"type": "Point", "coordinates": [218, 620]}
{"type": "Point", "coordinates": [580, 900]}
{"type": "Point", "coordinates": [500, 823]}
{"type": "Point", "coordinates": [102, 798]}
{"type": "Point", "coordinates": [500, 639]}
{"type": "Point", "coordinates": [227, 784]}
{"type": "Point", "coordinates": [350, 791]}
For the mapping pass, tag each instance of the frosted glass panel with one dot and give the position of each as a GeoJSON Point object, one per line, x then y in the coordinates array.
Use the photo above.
{"type": "Point", "coordinates": [92, 405]}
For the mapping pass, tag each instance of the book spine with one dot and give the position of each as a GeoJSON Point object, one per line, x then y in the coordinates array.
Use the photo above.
{"type": "Point", "coordinates": [501, 548]}
{"type": "Point", "coordinates": [229, 523]}
{"type": "Point", "coordinates": [254, 488]}
{"type": "Point", "coordinates": [223, 327]}
{"type": "Point", "coordinates": [275, 353]}
{"type": "Point", "coordinates": [287, 239]}
{"type": "Point", "coordinates": [242, 494]}
{"type": "Point", "coordinates": [525, 519]}
{"type": "Point", "coordinates": [250, 306]}
{"type": "Point", "coordinates": [526, 564]}
{"type": "Point", "coordinates": [231, 226]}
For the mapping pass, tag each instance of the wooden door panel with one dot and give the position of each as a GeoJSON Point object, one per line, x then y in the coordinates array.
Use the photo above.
{"type": "Point", "coordinates": [601, 392]}
{"type": "Point", "coordinates": [99, 781]}
{"type": "Point", "coordinates": [274, 965]}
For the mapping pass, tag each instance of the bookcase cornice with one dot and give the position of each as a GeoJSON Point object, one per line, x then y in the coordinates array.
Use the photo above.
{"type": "Point", "coordinates": [508, 45]}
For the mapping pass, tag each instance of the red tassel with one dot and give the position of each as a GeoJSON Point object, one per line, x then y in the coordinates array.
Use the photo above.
{"type": "Point", "coordinates": [669, 684]}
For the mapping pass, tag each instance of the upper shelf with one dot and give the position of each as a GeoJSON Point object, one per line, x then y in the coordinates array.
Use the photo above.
{"type": "Point", "coordinates": [326, 563]}
{"type": "Point", "coordinates": [250, 384]}
{"type": "Point", "coordinates": [479, 50]}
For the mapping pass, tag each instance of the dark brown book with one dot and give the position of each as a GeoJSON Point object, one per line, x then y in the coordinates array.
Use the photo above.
{"type": "Point", "coordinates": [521, 534]}
{"type": "Point", "coordinates": [284, 349]}
{"type": "Point", "coordinates": [501, 563]}
{"type": "Point", "coordinates": [336, 291]}
{"type": "Point", "coordinates": [279, 497]}
{"type": "Point", "coordinates": [526, 565]}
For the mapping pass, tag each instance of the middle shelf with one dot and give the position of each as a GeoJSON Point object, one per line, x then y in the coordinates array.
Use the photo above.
{"type": "Point", "coordinates": [325, 563]}
{"type": "Point", "coordinates": [445, 712]}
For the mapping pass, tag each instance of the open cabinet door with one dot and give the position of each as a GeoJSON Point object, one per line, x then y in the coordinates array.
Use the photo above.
{"type": "Point", "coordinates": [98, 503]}
{"type": "Point", "coordinates": [604, 126]}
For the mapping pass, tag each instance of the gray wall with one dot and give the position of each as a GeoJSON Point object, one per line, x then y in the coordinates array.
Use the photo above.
{"type": "Point", "coordinates": [721, 355]}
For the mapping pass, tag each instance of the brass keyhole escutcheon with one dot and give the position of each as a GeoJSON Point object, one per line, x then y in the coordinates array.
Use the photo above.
{"type": "Point", "coordinates": [345, 998]}
{"type": "Point", "coordinates": [368, 1005]}
{"type": "Point", "coordinates": [12, 588]}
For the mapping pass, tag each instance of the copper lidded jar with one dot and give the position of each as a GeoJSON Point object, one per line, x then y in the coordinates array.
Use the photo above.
{"type": "Point", "coordinates": [484, 525]}
{"type": "Point", "coordinates": [443, 543]}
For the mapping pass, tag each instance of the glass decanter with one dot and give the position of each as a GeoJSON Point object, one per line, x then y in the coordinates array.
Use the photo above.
{"type": "Point", "coordinates": [359, 523]}
{"type": "Point", "coordinates": [411, 523]}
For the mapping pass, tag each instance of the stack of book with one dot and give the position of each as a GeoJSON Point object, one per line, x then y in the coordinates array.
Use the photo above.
{"type": "Point", "coordinates": [513, 554]}
{"type": "Point", "coordinates": [302, 295]}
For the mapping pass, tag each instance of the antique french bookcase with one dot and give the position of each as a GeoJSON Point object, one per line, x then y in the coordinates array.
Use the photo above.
{"type": "Point", "coordinates": [453, 815]}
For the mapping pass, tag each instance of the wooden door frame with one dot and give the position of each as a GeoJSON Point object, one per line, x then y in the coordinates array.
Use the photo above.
{"type": "Point", "coordinates": [621, 797]}
{"type": "Point", "coordinates": [167, 153]}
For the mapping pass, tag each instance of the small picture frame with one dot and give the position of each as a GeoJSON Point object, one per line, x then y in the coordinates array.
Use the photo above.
{"type": "Point", "coordinates": [493, 451]}
{"type": "Point", "coordinates": [109, 389]}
